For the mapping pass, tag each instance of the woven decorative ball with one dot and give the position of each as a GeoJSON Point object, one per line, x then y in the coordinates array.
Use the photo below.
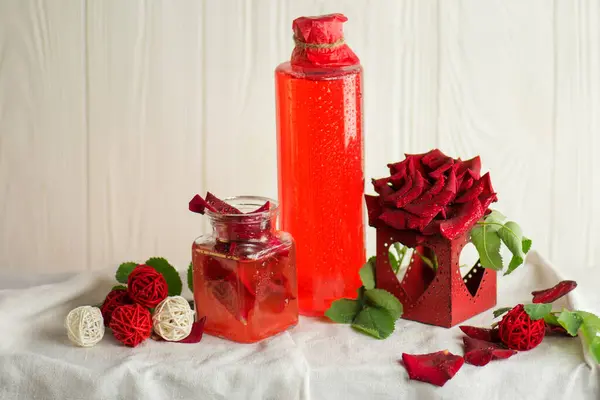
{"type": "Point", "coordinates": [113, 300]}
{"type": "Point", "coordinates": [173, 318]}
{"type": "Point", "coordinates": [146, 286]}
{"type": "Point", "coordinates": [85, 326]}
{"type": "Point", "coordinates": [519, 332]}
{"type": "Point", "coordinates": [131, 324]}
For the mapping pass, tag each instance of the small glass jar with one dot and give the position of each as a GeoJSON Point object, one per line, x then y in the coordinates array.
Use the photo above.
{"type": "Point", "coordinates": [245, 273]}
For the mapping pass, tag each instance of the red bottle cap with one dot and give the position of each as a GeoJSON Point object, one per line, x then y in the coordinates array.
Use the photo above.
{"type": "Point", "coordinates": [320, 42]}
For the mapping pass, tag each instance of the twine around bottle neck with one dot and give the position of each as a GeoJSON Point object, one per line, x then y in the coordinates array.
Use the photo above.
{"type": "Point", "coordinates": [304, 45]}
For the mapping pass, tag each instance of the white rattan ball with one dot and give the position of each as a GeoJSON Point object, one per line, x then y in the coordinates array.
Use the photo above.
{"type": "Point", "coordinates": [85, 326]}
{"type": "Point", "coordinates": [173, 319]}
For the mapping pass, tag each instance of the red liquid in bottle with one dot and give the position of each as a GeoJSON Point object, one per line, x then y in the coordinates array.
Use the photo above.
{"type": "Point", "coordinates": [321, 179]}
{"type": "Point", "coordinates": [246, 290]}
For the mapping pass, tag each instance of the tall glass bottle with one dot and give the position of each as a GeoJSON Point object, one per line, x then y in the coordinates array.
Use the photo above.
{"type": "Point", "coordinates": [321, 162]}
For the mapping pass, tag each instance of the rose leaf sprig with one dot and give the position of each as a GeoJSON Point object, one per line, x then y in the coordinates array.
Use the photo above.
{"type": "Point", "coordinates": [374, 311]}
{"type": "Point", "coordinates": [490, 232]}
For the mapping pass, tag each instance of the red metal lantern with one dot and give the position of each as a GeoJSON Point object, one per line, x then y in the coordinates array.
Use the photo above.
{"type": "Point", "coordinates": [442, 297]}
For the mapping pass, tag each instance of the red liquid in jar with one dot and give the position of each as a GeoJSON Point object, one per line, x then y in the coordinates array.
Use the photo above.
{"type": "Point", "coordinates": [321, 180]}
{"type": "Point", "coordinates": [248, 292]}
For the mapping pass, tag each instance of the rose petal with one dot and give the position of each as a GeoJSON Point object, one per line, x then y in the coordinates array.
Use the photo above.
{"type": "Point", "coordinates": [398, 168]}
{"type": "Point", "coordinates": [195, 335]}
{"type": "Point", "coordinates": [435, 368]}
{"type": "Point", "coordinates": [435, 159]}
{"type": "Point", "coordinates": [554, 293]}
{"type": "Point", "coordinates": [199, 205]}
{"type": "Point", "coordinates": [489, 335]}
{"type": "Point", "coordinates": [382, 185]}
{"type": "Point", "coordinates": [220, 205]}
{"type": "Point", "coordinates": [472, 166]}
{"type": "Point", "coordinates": [468, 214]}
{"type": "Point", "coordinates": [479, 352]}
{"type": "Point", "coordinates": [403, 186]}
{"type": "Point", "coordinates": [471, 193]}
{"type": "Point", "coordinates": [466, 184]}
{"type": "Point", "coordinates": [418, 185]}
{"type": "Point", "coordinates": [415, 166]}
{"type": "Point", "coordinates": [442, 169]}
{"type": "Point", "coordinates": [234, 296]}
{"type": "Point", "coordinates": [397, 219]}
{"type": "Point", "coordinates": [488, 196]}
{"type": "Point", "coordinates": [557, 330]}
{"type": "Point", "coordinates": [263, 208]}
{"type": "Point", "coordinates": [431, 207]}
{"type": "Point", "coordinates": [374, 209]}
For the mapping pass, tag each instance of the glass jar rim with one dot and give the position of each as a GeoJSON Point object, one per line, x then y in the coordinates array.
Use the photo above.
{"type": "Point", "coordinates": [244, 201]}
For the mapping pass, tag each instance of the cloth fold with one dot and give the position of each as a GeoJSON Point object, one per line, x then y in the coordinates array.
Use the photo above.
{"type": "Point", "coordinates": [314, 360]}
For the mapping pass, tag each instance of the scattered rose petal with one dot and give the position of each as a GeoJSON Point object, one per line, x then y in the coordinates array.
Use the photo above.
{"type": "Point", "coordinates": [196, 334]}
{"type": "Point", "coordinates": [435, 368]}
{"type": "Point", "coordinates": [199, 205]}
{"type": "Point", "coordinates": [263, 208]}
{"type": "Point", "coordinates": [554, 293]}
{"type": "Point", "coordinates": [557, 330]}
{"type": "Point", "coordinates": [489, 335]}
{"type": "Point", "coordinates": [479, 352]}
{"type": "Point", "coordinates": [234, 296]}
{"type": "Point", "coordinates": [219, 205]}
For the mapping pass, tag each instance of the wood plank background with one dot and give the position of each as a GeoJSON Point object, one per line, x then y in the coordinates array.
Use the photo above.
{"type": "Point", "coordinates": [113, 114]}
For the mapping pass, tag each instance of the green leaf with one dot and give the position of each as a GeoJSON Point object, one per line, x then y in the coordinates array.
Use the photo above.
{"type": "Point", "coordinates": [515, 261]}
{"type": "Point", "coordinates": [124, 270]}
{"type": "Point", "coordinates": [367, 274]}
{"type": "Point", "coordinates": [551, 319]}
{"type": "Point", "coordinates": [190, 277]}
{"type": "Point", "coordinates": [487, 244]}
{"type": "Point", "coordinates": [385, 300]}
{"type": "Point", "coordinates": [590, 328]}
{"type": "Point", "coordinates": [494, 221]}
{"type": "Point", "coordinates": [571, 321]}
{"type": "Point", "coordinates": [361, 296]}
{"type": "Point", "coordinates": [512, 236]}
{"type": "Point", "coordinates": [495, 216]}
{"type": "Point", "coordinates": [537, 311]}
{"type": "Point", "coordinates": [168, 272]}
{"type": "Point", "coordinates": [393, 262]}
{"type": "Point", "coordinates": [431, 263]}
{"type": "Point", "coordinates": [501, 311]}
{"type": "Point", "coordinates": [401, 251]}
{"type": "Point", "coordinates": [526, 244]}
{"type": "Point", "coordinates": [343, 311]}
{"type": "Point", "coordinates": [119, 287]}
{"type": "Point", "coordinates": [375, 322]}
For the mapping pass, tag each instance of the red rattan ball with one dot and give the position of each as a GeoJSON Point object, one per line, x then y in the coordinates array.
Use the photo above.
{"type": "Point", "coordinates": [146, 286]}
{"type": "Point", "coordinates": [131, 324]}
{"type": "Point", "coordinates": [519, 332]}
{"type": "Point", "coordinates": [113, 300]}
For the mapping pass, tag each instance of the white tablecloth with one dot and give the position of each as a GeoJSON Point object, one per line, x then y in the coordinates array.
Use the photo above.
{"type": "Point", "coordinates": [315, 360]}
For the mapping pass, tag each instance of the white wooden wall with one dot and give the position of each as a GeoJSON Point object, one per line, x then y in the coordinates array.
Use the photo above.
{"type": "Point", "coordinates": [114, 113]}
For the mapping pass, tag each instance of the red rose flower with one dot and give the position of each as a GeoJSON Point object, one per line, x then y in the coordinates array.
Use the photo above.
{"type": "Point", "coordinates": [430, 194]}
{"type": "Point", "coordinates": [146, 286]}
